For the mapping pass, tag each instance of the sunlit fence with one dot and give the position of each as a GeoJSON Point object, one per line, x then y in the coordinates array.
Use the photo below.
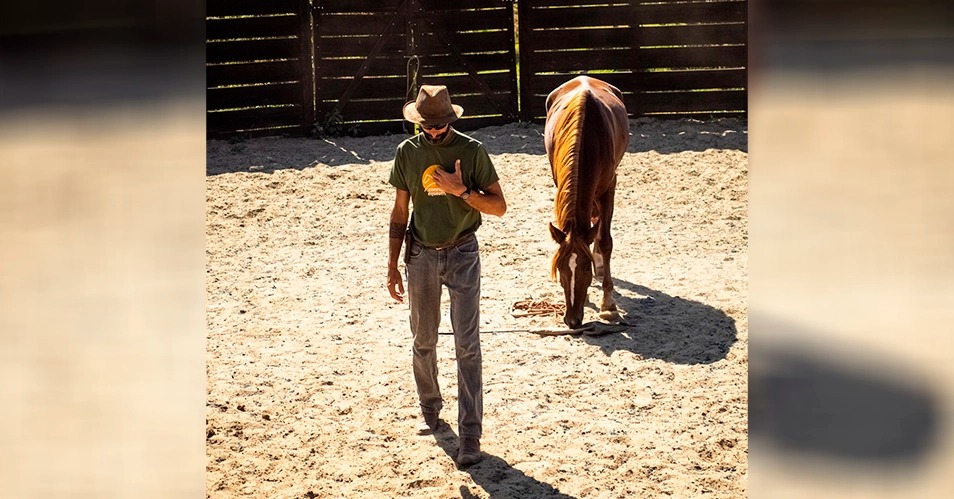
{"type": "Point", "coordinates": [302, 67]}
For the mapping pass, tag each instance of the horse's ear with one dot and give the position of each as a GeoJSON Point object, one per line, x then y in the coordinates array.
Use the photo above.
{"type": "Point", "coordinates": [557, 234]}
{"type": "Point", "coordinates": [591, 234]}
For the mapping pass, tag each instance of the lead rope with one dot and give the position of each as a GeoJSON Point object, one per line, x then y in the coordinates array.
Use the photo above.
{"type": "Point", "coordinates": [412, 86]}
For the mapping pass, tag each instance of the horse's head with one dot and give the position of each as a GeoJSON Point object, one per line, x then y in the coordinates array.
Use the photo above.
{"type": "Point", "coordinates": [573, 261]}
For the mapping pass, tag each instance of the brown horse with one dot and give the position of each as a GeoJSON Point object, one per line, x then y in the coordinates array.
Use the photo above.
{"type": "Point", "coordinates": [586, 135]}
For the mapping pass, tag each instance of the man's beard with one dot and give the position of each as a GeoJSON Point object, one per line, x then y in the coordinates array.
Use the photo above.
{"type": "Point", "coordinates": [440, 138]}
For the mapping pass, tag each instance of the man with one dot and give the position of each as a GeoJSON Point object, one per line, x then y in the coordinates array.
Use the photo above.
{"type": "Point", "coordinates": [450, 180]}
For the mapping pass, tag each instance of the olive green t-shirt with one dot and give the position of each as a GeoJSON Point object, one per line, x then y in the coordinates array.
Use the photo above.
{"type": "Point", "coordinates": [442, 218]}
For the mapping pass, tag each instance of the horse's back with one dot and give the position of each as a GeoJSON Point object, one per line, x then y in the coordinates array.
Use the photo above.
{"type": "Point", "coordinates": [586, 117]}
{"type": "Point", "coordinates": [611, 96]}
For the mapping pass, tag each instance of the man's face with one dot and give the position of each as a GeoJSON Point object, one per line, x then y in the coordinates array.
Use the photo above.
{"type": "Point", "coordinates": [435, 133]}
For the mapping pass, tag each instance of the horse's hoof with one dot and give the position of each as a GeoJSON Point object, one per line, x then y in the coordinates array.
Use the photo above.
{"type": "Point", "coordinates": [611, 315]}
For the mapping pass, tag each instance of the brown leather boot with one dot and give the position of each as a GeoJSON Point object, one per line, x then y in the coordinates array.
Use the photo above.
{"type": "Point", "coordinates": [469, 452]}
{"type": "Point", "coordinates": [428, 423]}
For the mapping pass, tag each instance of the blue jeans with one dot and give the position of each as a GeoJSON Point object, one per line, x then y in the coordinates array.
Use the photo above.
{"type": "Point", "coordinates": [458, 269]}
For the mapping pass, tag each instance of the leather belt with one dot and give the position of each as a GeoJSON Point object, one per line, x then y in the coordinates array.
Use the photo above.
{"type": "Point", "coordinates": [451, 245]}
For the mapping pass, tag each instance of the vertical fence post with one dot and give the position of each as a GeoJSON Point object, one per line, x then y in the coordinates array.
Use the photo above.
{"type": "Point", "coordinates": [636, 65]}
{"type": "Point", "coordinates": [526, 72]}
{"type": "Point", "coordinates": [514, 102]}
{"type": "Point", "coordinates": [305, 64]}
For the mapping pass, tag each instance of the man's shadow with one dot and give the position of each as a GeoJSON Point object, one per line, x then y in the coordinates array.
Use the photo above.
{"type": "Point", "coordinates": [668, 328]}
{"type": "Point", "coordinates": [493, 474]}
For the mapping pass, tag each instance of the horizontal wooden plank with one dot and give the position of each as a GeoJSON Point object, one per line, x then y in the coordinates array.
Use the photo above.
{"type": "Point", "coordinates": [629, 82]}
{"type": "Point", "coordinates": [441, 5]}
{"type": "Point", "coordinates": [690, 57]}
{"type": "Point", "coordinates": [478, 62]}
{"type": "Point", "coordinates": [429, 43]}
{"type": "Point", "coordinates": [467, 124]}
{"type": "Point", "coordinates": [675, 116]}
{"type": "Point", "coordinates": [358, 24]}
{"type": "Point", "coordinates": [401, 127]}
{"type": "Point", "coordinates": [477, 104]}
{"type": "Point", "coordinates": [329, 7]}
{"type": "Point", "coordinates": [220, 8]}
{"type": "Point", "coordinates": [702, 116]}
{"type": "Point", "coordinates": [691, 80]}
{"type": "Point", "coordinates": [470, 20]}
{"type": "Point", "coordinates": [278, 131]}
{"type": "Point", "coordinates": [699, 34]}
{"type": "Point", "coordinates": [578, 39]}
{"type": "Point", "coordinates": [544, 84]}
{"type": "Point", "coordinates": [687, 101]}
{"type": "Point", "coordinates": [379, 66]}
{"type": "Point", "coordinates": [251, 27]}
{"type": "Point", "coordinates": [377, 87]}
{"type": "Point", "coordinates": [572, 16]}
{"type": "Point", "coordinates": [481, 105]}
{"type": "Point", "coordinates": [693, 12]}
{"type": "Point", "coordinates": [578, 61]}
{"type": "Point", "coordinates": [224, 121]}
{"type": "Point", "coordinates": [252, 50]}
{"type": "Point", "coordinates": [464, 84]}
{"type": "Point", "coordinates": [397, 87]}
{"type": "Point", "coordinates": [258, 72]}
{"type": "Point", "coordinates": [358, 110]}
{"type": "Point", "coordinates": [366, 129]}
{"type": "Point", "coordinates": [395, 45]}
{"type": "Point", "coordinates": [259, 95]}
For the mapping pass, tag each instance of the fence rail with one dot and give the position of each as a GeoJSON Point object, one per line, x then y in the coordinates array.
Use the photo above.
{"type": "Point", "coordinates": [283, 66]}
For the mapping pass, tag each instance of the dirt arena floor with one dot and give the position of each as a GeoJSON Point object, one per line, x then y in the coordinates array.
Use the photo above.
{"type": "Point", "coordinates": [310, 392]}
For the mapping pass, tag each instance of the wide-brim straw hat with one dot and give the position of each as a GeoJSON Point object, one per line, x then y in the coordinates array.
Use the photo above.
{"type": "Point", "coordinates": [432, 107]}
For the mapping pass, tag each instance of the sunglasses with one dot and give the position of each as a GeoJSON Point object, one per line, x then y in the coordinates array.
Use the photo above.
{"type": "Point", "coordinates": [434, 127]}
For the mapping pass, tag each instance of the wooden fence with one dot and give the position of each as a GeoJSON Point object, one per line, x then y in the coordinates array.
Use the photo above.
{"type": "Point", "coordinates": [683, 58]}
{"type": "Point", "coordinates": [284, 66]}
{"type": "Point", "coordinates": [258, 67]}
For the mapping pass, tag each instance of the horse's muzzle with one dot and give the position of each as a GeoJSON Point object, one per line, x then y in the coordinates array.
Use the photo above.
{"type": "Point", "coordinates": [572, 322]}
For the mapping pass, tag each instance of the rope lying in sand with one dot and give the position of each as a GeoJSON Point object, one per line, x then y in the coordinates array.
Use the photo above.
{"type": "Point", "coordinates": [593, 328]}
{"type": "Point", "coordinates": [526, 308]}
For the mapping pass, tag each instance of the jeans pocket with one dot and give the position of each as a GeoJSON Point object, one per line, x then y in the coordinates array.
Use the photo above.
{"type": "Point", "coordinates": [468, 247]}
{"type": "Point", "coordinates": [414, 250]}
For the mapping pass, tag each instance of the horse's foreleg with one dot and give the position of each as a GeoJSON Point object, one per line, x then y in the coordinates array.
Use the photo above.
{"type": "Point", "coordinates": [605, 242]}
{"type": "Point", "coordinates": [597, 253]}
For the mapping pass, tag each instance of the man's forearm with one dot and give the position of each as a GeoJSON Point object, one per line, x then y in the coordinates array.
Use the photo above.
{"type": "Point", "coordinates": [396, 233]}
{"type": "Point", "coordinates": [486, 202]}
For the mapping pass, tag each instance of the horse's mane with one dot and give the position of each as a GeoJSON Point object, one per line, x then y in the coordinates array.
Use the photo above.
{"type": "Point", "coordinates": [568, 133]}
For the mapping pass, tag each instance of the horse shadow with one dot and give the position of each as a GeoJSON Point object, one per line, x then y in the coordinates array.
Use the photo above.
{"type": "Point", "coordinates": [668, 328]}
{"type": "Point", "coordinates": [497, 477]}
{"type": "Point", "coordinates": [851, 406]}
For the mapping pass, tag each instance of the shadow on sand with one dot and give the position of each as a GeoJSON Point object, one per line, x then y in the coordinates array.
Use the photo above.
{"type": "Point", "coordinates": [838, 402]}
{"type": "Point", "coordinates": [494, 475]}
{"type": "Point", "coordinates": [668, 328]}
{"type": "Point", "coordinates": [269, 154]}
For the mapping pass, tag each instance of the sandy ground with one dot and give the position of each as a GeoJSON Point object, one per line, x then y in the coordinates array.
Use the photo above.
{"type": "Point", "coordinates": [310, 391]}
